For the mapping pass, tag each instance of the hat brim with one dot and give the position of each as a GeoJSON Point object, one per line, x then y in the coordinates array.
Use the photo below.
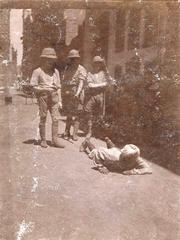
{"type": "Point", "coordinates": [73, 56]}
{"type": "Point", "coordinates": [98, 61]}
{"type": "Point", "coordinates": [50, 57]}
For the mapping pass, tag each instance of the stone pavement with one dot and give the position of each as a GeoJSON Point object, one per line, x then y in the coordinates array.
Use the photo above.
{"type": "Point", "coordinates": [54, 194]}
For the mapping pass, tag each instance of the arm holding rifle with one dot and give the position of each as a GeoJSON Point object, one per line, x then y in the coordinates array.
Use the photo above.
{"type": "Point", "coordinates": [59, 89]}
{"type": "Point", "coordinates": [81, 77]}
{"type": "Point", "coordinates": [97, 85]}
{"type": "Point", "coordinates": [80, 87]}
{"type": "Point", "coordinates": [92, 84]}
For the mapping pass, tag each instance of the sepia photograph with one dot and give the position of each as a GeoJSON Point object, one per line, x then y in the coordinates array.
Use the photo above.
{"type": "Point", "coordinates": [90, 119]}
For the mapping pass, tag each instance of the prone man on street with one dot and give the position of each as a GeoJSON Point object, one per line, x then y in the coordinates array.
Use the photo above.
{"type": "Point", "coordinates": [126, 160]}
{"type": "Point", "coordinates": [73, 93]}
{"type": "Point", "coordinates": [97, 82]}
{"type": "Point", "coordinates": [47, 87]}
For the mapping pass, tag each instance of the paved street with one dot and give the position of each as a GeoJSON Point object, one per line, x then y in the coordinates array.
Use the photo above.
{"type": "Point", "coordinates": [54, 194]}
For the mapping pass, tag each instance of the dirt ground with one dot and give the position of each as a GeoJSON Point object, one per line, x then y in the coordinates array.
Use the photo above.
{"type": "Point", "coordinates": [54, 194]}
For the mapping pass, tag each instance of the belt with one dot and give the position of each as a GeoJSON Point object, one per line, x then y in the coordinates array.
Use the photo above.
{"type": "Point", "coordinates": [46, 93]}
{"type": "Point", "coordinates": [95, 91]}
{"type": "Point", "coordinates": [69, 85]}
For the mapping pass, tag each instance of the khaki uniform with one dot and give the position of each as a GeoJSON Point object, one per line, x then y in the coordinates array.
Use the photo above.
{"type": "Point", "coordinates": [46, 84]}
{"type": "Point", "coordinates": [110, 158]}
{"type": "Point", "coordinates": [95, 97]}
{"type": "Point", "coordinates": [47, 95]}
{"type": "Point", "coordinates": [94, 100]}
{"type": "Point", "coordinates": [70, 83]}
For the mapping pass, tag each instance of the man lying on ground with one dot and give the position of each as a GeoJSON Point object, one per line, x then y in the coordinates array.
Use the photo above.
{"type": "Point", "coordinates": [126, 160]}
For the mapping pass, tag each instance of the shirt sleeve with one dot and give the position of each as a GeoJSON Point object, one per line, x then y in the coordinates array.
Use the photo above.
{"type": "Point", "coordinates": [92, 83]}
{"type": "Point", "coordinates": [34, 78]}
{"type": "Point", "coordinates": [141, 168]}
{"type": "Point", "coordinates": [58, 80]}
{"type": "Point", "coordinates": [82, 74]}
{"type": "Point", "coordinates": [89, 78]}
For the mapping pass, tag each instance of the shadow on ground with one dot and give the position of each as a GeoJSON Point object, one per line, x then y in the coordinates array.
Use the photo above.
{"type": "Point", "coordinates": [35, 142]}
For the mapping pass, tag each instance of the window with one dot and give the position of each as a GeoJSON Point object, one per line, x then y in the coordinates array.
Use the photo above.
{"type": "Point", "coordinates": [134, 28]}
{"type": "Point", "coordinates": [120, 29]}
{"type": "Point", "coordinates": [151, 28]}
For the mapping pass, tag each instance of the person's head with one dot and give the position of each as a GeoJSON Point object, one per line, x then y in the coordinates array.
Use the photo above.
{"type": "Point", "coordinates": [74, 57]}
{"type": "Point", "coordinates": [98, 64]}
{"type": "Point", "coordinates": [129, 153]}
{"type": "Point", "coordinates": [48, 58]}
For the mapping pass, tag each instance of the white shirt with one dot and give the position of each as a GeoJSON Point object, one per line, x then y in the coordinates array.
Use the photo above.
{"type": "Point", "coordinates": [103, 154]}
{"type": "Point", "coordinates": [44, 80]}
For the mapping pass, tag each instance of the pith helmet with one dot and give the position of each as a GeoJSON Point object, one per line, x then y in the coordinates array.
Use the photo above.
{"type": "Point", "coordinates": [98, 59]}
{"type": "Point", "coordinates": [73, 54]}
{"type": "Point", "coordinates": [130, 150]}
{"type": "Point", "coordinates": [48, 53]}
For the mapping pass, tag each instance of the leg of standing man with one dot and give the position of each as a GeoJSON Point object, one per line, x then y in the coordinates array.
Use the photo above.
{"type": "Point", "coordinates": [76, 128]}
{"type": "Point", "coordinates": [100, 101]}
{"type": "Point", "coordinates": [78, 109]}
{"type": "Point", "coordinates": [55, 115]}
{"type": "Point", "coordinates": [55, 140]}
{"type": "Point", "coordinates": [43, 108]}
{"type": "Point", "coordinates": [88, 108]}
{"type": "Point", "coordinates": [66, 134]}
{"type": "Point", "coordinates": [68, 107]}
{"type": "Point", "coordinates": [42, 132]}
{"type": "Point", "coordinates": [89, 129]}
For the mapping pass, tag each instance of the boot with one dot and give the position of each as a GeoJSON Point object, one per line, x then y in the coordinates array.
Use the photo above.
{"type": "Point", "coordinates": [66, 134]}
{"type": "Point", "coordinates": [90, 145]}
{"type": "Point", "coordinates": [89, 133]}
{"type": "Point", "coordinates": [83, 146]}
{"type": "Point", "coordinates": [42, 132]}
{"type": "Point", "coordinates": [109, 143]}
{"type": "Point", "coordinates": [55, 139]}
{"type": "Point", "coordinates": [86, 144]}
{"type": "Point", "coordinates": [75, 131]}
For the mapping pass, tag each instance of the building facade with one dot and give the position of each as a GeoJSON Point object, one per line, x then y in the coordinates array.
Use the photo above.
{"type": "Point", "coordinates": [4, 44]}
{"type": "Point", "coordinates": [149, 30]}
{"type": "Point", "coordinates": [4, 32]}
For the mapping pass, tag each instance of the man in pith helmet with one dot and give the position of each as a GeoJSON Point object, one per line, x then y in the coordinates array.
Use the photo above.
{"type": "Point", "coordinates": [73, 80]}
{"type": "Point", "coordinates": [46, 84]}
{"type": "Point", "coordinates": [97, 82]}
{"type": "Point", "coordinates": [126, 160]}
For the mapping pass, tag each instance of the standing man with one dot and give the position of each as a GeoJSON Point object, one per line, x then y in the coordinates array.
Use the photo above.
{"type": "Point", "coordinates": [97, 82]}
{"type": "Point", "coordinates": [46, 84]}
{"type": "Point", "coordinates": [73, 93]}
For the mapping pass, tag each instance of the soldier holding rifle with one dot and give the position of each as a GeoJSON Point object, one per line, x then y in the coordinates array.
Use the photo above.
{"type": "Point", "coordinates": [97, 82]}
